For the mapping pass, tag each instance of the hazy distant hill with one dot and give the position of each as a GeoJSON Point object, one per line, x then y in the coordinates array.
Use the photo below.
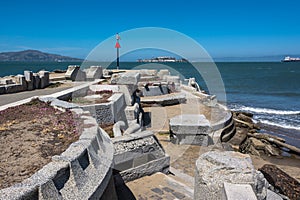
{"type": "Point", "coordinates": [34, 55]}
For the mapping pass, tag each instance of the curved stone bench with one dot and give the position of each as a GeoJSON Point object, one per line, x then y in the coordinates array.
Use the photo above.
{"type": "Point", "coordinates": [83, 171]}
{"type": "Point", "coordinates": [196, 129]}
{"type": "Point", "coordinates": [164, 100]}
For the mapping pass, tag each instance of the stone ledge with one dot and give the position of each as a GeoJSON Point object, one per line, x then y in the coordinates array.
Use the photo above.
{"type": "Point", "coordinates": [167, 99]}
{"type": "Point", "coordinates": [82, 171]}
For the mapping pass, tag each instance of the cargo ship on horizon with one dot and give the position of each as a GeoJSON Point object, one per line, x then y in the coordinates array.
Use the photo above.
{"type": "Point", "coordinates": [290, 59]}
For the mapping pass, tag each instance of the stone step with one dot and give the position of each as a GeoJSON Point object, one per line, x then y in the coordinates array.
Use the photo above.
{"type": "Point", "coordinates": [161, 186]}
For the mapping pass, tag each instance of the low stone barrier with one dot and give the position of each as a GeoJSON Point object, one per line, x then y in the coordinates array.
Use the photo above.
{"type": "Point", "coordinates": [196, 129]}
{"type": "Point", "coordinates": [137, 155]}
{"type": "Point", "coordinates": [109, 113]}
{"type": "Point", "coordinates": [83, 171]}
{"type": "Point", "coordinates": [164, 100]}
{"type": "Point", "coordinates": [28, 81]}
{"type": "Point", "coordinates": [190, 129]}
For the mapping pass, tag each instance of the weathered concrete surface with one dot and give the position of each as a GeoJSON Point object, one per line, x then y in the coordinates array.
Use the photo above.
{"type": "Point", "coordinates": [155, 90]}
{"type": "Point", "coordinates": [44, 76]}
{"type": "Point", "coordinates": [83, 171]}
{"type": "Point", "coordinates": [216, 167]}
{"type": "Point", "coordinates": [159, 186]}
{"type": "Point", "coordinates": [109, 113]}
{"type": "Point", "coordinates": [238, 192]}
{"type": "Point", "coordinates": [94, 72]}
{"type": "Point", "coordinates": [171, 79]}
{"type": "Point", "coordinates": [165, 100]}
{"type": "Point", "coordinates": [75, 74]}
{"type": "Point", "coordinates": [162, 73]}
{"type": "Point", "coordinates": [282, 181]}
{"type": "Point", "coordinates": [117, 128]}
{"type": "Point", "coordinates": [129, 78]}
{"type": "Point", "coordinates": [137, 155]}
{"type": "Point", "coordinates": [36, 81]}
{"type": "Point", "coordinates": [190, 129]}
{"type": "Point", "coordinates": [132, 112]}
{"type": "Point", "coordinates": [273, 196]}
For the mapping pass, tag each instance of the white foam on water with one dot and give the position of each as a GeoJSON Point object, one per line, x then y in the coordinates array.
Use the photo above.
{"type": "Point", "coordinates": [286, 126]}
{"type": "Point", "coordinates": [266, 111]}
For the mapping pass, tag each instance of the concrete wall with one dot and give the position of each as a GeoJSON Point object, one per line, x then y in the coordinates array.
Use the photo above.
{"type": "Point", "coordinates": [83, 171]}
{"type": "Point", "coordinates": [137, 155]}
{"type": "Point", "coordinates": [109, 113]}
{"type": "Point", "coordinates": [28, 81]}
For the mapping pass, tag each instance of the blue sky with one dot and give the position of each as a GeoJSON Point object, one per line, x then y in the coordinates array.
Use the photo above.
{"type": "Point", "coordinates": [223, 28]}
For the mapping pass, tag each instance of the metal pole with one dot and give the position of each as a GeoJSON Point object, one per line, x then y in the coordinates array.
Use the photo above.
{"type": "Point", "coordinates": [117, 58]}
{"type": "Point", "coordinates": [118, 46]}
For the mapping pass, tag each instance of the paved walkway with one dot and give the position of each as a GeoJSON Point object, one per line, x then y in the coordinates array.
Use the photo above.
{"type": "Point", "coordinates": [10, 98]}
{"type": "Point", "coordinates": [158, 187]}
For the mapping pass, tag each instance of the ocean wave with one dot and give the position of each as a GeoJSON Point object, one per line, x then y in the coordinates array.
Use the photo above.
{"type": "Point", "coordinates": [285, 126]}
{"type": "Point", "coordinates": [266, 111]}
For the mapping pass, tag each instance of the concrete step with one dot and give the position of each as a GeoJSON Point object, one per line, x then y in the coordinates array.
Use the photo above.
{"type": "Point", "coordinates": [161, 186]}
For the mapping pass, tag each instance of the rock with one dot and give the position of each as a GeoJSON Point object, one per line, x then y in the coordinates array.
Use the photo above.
{"type": "Point", "coordinates": [239, 137]}
{"type": "Point", "coordinates": [257, 144]}
{"type": "Point", "coordinates": [253, 151]}
{"type": "Point", "coordinates": [270, 150]}
{"type": "Point", "coordinates": [244, 118]}
{"type": "Point", "coordinates": [247, 114]}
{"type": "Point", "coordinates": [282, 181]}
{"type": "Point", "coordinates": [216, 167]}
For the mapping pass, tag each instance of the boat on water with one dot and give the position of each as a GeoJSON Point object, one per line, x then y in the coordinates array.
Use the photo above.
{"type": "Point", "coordinates": [163, 59]}
{"type": "Point", "coordinates": [290, 59]}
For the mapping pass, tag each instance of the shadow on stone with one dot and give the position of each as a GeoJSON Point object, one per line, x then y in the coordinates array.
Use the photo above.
{"type": "Point", "coordinates": [147, 120]}
{"type": "Point", "coordinates": [123, 192]}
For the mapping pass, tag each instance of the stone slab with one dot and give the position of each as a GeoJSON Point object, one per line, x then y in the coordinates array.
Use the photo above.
{"type": "Point", "coordinates": [94, 72]}
{"type": "Point", "coordinates": [238, 192]}
{"type": "Point", "coordinates": [155, 90]}
{"type": "Point", "coordinates": [28, 75]}
{"type": "Point", "coordinates": [165, 100]}
{"type": "Point", "coordinates": [129, 78]}
{"type": "Point", "coordinates": [44, 77]}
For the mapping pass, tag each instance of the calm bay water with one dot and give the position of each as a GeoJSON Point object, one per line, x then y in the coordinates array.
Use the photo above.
{"type": "Point", "coordinates": [271, 90]}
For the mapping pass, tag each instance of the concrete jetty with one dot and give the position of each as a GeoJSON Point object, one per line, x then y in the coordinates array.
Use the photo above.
{"type": "Point", "coordinates": [150, 136]}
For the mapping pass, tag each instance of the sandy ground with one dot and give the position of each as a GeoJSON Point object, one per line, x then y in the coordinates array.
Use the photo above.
{"type": "Point", "coordinates": [29, 136]}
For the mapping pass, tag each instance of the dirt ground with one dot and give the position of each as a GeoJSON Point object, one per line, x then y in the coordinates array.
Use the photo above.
{"type": "Point", "coordinates": [30, 135]}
